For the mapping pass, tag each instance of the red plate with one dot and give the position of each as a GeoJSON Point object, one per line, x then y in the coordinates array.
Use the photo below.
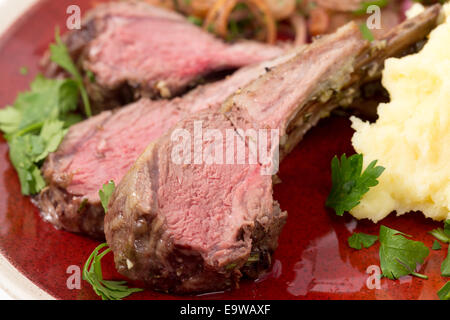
{"type": "Point", "coordinates": [313, 260]}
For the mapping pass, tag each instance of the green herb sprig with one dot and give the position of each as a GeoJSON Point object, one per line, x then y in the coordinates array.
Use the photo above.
{"type": "Point", "coordinates": [60, 55]}
{"type": "Point", "coordinates": [442, 234]}
{"type": "Point", "coordinates": [444, 292]}
{"type": "Point", "coordinates": [366, 33]}
{"type": "Point", "coordinates": [105, 194]}
{"type": "Point", "coordinates": [445, 266]}
{"type": "Point", "coordinates": [106, 289]}
{"type": "Point", "coordinates": [36, 123]}
{"type": "Point", "coordinates": [436, 245]}
{"type": "Point", "coordinates": [358, 240]}
{"type": "Point", "coordinates": [399, 255]}
{"type": "Point", "coordinates": [350, 183]}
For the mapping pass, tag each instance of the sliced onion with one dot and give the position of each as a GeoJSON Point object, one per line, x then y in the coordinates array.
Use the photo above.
{"type": "Point", "coordinates": [218, 17]}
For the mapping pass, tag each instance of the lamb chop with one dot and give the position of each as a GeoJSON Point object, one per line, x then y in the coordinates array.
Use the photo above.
{"type": "Point", "coordinates": [188, 222]}
{"type": "Point", "coordinates": [105, 146]}
{"type": "Point", "coordinates": [136, 50]}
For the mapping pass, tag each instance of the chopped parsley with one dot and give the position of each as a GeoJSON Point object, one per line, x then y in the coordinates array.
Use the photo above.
{"type": "Point", "coordinates": [105, 193]}
{"type": "Point", "coordinates": [442, 234]}
{"type": "Point", "coordinates": [445, 266]}
{"type": "Point", "coordinates": [366, 33]}
{"type": "Point", "coordinates": [447, 227]}
{"type": "Point", "coordinates": [60, 55]}
{"type": "Point", "coordinates": [358, 240]}
{"type": "Point", "coordinates": [399, 255]}
{"type": "Point", "coordinates": [444, 292]}
{"type": "Point", "coordinates": [106, 289]}
{"type": "Point", "coordinates": [35, 124]}
{"type": "Point", "coordinates": [436, 245]}
{"type": "Point", "coordinates": [350, 183]}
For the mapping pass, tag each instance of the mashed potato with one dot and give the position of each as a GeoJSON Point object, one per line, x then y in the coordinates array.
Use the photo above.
{"type": "Point", "coordinates": [415, 10]}
{"type": "Point", "coordinates": [411, 138]}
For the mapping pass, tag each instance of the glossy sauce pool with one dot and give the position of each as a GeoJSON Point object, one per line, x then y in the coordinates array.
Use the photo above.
{"type": "Point", "coordinates": [313, 260]}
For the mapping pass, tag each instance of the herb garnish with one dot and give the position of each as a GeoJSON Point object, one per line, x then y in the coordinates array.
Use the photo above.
{"type": "Point", "coordinates": [366, 33]}
{"type": "Point", "coordinates": [105, 193]}
{"type": "Point", "coordinates": [399, 256]}
{"type": "Point", "coordinates": [359, 240]}
{"type": "Point", "coordinates": [442, 234]}
{"type": "Point", "coordinates": [436, 245]}
{"type": "Point", "coordinates": [350, 183]}
{"type": "Point", "coordinates": [107, 289]}
{"type": "Point", "coordinates": [444, 292]}
{"type": "Point", "coordinates": [35, 125]}
{"type": "Point", "coordinates": [445, 266]}
{"type": "Point", "coordinates": [60, 55]}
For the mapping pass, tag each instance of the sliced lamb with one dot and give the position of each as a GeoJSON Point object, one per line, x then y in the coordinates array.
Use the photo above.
{"type": "Point", "coordinates": [105, 146]}
{"type": "Point", "coordinates": [195, 226]}
{"type": "Point", "coordinates": [189, 228]}
{"type": "Point", "coordinates": [136, 50]}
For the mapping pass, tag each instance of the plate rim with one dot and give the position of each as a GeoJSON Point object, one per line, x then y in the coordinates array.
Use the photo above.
{"type": "Point", "coordinates": [13, 282]}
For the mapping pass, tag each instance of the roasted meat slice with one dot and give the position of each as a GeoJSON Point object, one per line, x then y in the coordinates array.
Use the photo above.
{"type": "Point", "coordinates": [136, 50]}
{"type": "Point", "coordinates": [190, 228]}
{"type": "Point", "coordinates": [105, 146]}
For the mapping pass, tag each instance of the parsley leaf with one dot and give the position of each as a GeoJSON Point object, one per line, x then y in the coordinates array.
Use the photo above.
{"type": "Point", "coordinates": [106, 289]}
{"type": "Point", "coordinates": [34, 126]}
{"type": "Point", "coordinates": [359, 240]}
{"type": "Point", "coordinates": [399, 256]}
{"type": "Point", "coordinates": [46, 99]}
{"type": "Point", "coordinates": [442, 234]}
{"type": "Point", "coordinates": [27, 151]}
{"type": "Point", "coordinates": [22, 152]}
{"type": "Point", "coordinates": [445, 266]}
{"type": "Point", "coordinates": [447, 227]}
{"type": "Point", "coordinates": [349, 184]}
{"type": "Point", "coordinates": [105, 193]}
{"type": "Point", "coordinates": [436, 245]}
{"type": "Point", "coordinates": [366, 33]}
{"type": "Point", "coordinates": [38, 120]}
{"type": "Point", "coordinates": [444, 292]}
{"type": "Point", "coordinates": [60, 55]}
